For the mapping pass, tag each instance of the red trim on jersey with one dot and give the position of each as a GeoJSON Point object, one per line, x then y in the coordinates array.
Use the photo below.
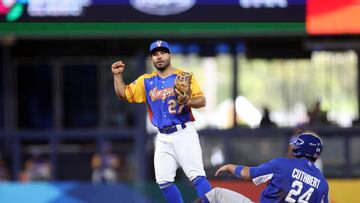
{"type": "Point", "coordinates": [192, 118]}
{"type": "Point", "coordinates": [150, 113]}
{"type": "Point", "coordinates": [131, 94]}
{"type": "Point", "coordinates": [198, 94]}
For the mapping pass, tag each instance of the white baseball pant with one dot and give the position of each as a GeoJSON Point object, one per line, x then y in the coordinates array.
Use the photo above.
{"type": "Point", "coordinates": [222, 195]}
{"type": "Point", "coordinates": [181, 148]}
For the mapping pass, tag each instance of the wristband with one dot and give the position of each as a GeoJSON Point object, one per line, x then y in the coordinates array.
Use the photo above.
{"type": "Point", "coordinates": [238, 170]}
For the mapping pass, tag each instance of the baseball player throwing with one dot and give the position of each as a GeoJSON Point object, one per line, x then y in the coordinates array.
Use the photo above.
{"type": "Point", "coordinates": [289, 179]}
{"type": "Point", "coordinates": [177, 142]}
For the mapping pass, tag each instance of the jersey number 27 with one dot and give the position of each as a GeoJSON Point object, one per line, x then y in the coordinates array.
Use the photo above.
{"type": "Point", "coordinates": [172, 107]}
{"type": "Point", "coordinates": [296, 191]}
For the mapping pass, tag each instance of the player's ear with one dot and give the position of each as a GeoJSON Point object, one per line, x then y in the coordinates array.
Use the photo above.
{"type": "Point", "coordinates": [290, 151]}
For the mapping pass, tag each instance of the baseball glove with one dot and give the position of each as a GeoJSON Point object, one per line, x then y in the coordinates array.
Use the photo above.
{"type": "Point", "coordinates": [182, 87]}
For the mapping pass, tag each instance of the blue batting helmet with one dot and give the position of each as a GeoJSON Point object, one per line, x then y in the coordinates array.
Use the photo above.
{"type": "Point", "coordinates": [307, 144]}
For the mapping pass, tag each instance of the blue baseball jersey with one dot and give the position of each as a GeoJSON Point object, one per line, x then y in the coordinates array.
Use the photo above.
{"type": "Point", "coordinates": [159, 95]}
{"type": "Point", "coordinates": [290, 180]}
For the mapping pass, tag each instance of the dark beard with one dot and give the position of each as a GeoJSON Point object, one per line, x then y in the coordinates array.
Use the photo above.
{"type": "Point", "coordinates": [163, 67]}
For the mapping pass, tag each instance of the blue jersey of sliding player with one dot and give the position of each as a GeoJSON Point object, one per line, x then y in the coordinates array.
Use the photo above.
{"type": "Point", "coordinates": [290, 180]}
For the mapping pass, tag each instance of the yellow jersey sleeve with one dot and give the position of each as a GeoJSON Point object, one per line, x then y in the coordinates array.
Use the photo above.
{"type": "Point", "coordinates": [135, 92]}
{"type": "Point", "coordinates": [195, 88]}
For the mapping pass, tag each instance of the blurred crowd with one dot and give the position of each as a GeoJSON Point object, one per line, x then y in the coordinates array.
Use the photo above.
{"type": "Point", "coordinates": [106, 167]}
{"type": "Point", "coordinates": [4, 171]}
{"type": "Point", "coordinates": [316, 116]}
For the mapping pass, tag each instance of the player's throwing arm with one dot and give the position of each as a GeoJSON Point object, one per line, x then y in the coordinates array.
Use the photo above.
{"type": "Point", "coordinates": [117, 69]}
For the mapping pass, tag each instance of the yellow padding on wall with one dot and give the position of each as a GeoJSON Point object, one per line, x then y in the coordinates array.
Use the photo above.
{"type": "Point", "coordinates": [344, 191]}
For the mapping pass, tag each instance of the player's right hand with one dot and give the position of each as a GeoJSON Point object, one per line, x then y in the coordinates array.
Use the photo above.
{"type": "Point", "coordinates": [118, 67]}
{"type": "Point", "coordinates": [230, 168]}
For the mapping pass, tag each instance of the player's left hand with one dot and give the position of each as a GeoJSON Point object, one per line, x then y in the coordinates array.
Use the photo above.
{"type": "Point", "coordinates": [230, 168]}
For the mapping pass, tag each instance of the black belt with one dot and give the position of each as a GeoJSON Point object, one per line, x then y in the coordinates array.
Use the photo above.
{"type": "Point", "coordinates": [172, 129]}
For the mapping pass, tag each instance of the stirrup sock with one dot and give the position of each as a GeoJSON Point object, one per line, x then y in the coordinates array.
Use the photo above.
{"type": "Point", "coordinates": [202, 185]}
{"type": "Point", "coordinates": [171, 193]}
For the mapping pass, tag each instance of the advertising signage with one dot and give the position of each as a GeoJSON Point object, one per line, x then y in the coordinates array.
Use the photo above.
{"type": "Point", "coordinates": [147, 18]}
{"type": "Point", "coordinates": [124, 11]}
{"type": "Point", "coordinates": [179, 17]}
{"type": "Point", "coordinates": [333, 17]}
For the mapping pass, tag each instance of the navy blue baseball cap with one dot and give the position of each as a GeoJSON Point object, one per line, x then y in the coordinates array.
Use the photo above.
{"type": "Point", "coordinates": [159, 44]}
